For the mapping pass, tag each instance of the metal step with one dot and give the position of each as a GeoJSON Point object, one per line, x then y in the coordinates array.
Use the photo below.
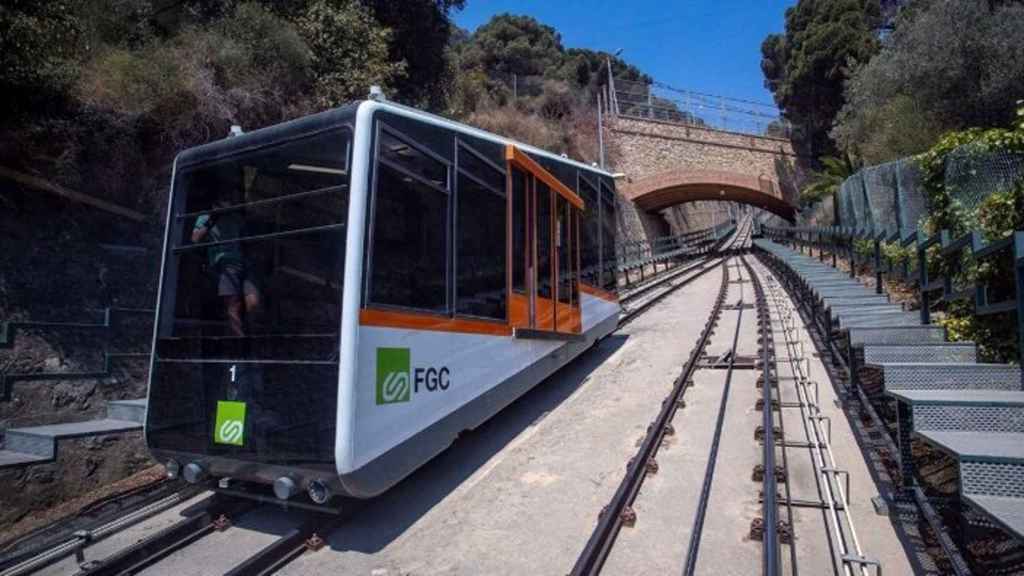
{"type": "Point", "coordinates": [931, 376]}
{"type": "Point", "coordinates": [851, 292]}
{"type": "Point", "coordinates": [11, 459]}
{"type": "Point", "coordinates": [130, 410]}
{"type": "Point", "coordinates": [865, 310]}
{"type": "Point", "coordinates": [1007, 512]}
{"type": "Point", "coordinates": [891, 320]}
{"type": "Point", "coordinates": [965, 410]}
{"type": "Point", "coordinates": [868, 300]}
{"type": "Point", "coordinates": [42, 440]}
{"type": "Point", "coordinates": [991, 463]}
{"type": "Point", "coordinates": [909, 335]}
{"type": "Point", "coordinates": [946, 353]}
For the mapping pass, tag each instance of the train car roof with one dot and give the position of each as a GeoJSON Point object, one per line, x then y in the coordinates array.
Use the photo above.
{"type": "Point", "coordinates": [322, 121]}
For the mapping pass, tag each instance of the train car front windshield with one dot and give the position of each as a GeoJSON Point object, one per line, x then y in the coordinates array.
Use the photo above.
{"type": "Point", "coordinates": [246, 363]}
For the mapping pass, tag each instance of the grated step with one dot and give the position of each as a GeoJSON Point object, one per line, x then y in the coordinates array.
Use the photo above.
{"type": "Point", "coordinates": [965, 410]}
{"type": "Point", "coordinates": [888, 320]}
{"type": "Point", "coordinates": [1007, 512]}
{"type": "Point", "coordinates": [949, 353]}
{"type": "Point", "coordinates": [910, 335]}
{"type": "Point", "coordinates": [932, 376]}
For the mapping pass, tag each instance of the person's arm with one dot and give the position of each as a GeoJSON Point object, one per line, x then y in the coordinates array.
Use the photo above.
{"type": "Point", "coordinates": [201, 228]}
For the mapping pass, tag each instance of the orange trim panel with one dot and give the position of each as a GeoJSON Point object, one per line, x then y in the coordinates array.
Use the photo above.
{"type": "Point", "coordinates": [416, 321]}
{"type": "Point", "coordinates": [599, 293]}
{"type": "Point", "coordinates": [520, 158]}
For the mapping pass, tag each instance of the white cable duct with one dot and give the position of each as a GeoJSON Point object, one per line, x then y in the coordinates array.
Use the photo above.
{"type": "Point", "coordinates": [821, 446]}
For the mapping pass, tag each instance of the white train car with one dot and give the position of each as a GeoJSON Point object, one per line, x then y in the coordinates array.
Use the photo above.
{"type": "Point", "coordinates": [343, 294]}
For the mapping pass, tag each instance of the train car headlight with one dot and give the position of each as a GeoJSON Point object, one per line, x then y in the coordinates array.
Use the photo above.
{"type": "Point", "coordinates": [318, 492]}
{"type": "Point", "coordinates": [193, 473]}
{"type": "Point", "coordinates": [173, 469]}
{"type": "Point", "coordinates": [285, 488]}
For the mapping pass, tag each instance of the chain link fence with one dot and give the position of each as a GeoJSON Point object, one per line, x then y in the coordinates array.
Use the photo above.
{"type": "Point", "coordinates": [973, 174]}
{"type": "Point", "coordinates": [890, 198]}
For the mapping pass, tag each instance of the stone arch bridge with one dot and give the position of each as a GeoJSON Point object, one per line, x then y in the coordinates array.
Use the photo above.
{"type": "Point", "coordinates": [668, 165]}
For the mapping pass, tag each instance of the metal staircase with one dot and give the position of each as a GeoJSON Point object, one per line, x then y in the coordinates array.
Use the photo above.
{"type": "Point", "coordinates": [972, 411]}
{"type": "Point", "coordinates": [27, 445]}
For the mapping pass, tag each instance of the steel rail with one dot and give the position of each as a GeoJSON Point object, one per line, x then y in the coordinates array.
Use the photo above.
{"type": "Point", "coordinates": [740, 237]}
{"type": "Point", "coordinates": [150, 550]}
{"type": "Point", "coordinates": [595, 553]}
{"type": "Point", "coordinates": [789, 503]}
{"type": "Point", "coordinates": [771, 564]}
{"type": "Point", "coordinates": [293, 543]}
{"type": "Point", "coordinates": [693, 548]}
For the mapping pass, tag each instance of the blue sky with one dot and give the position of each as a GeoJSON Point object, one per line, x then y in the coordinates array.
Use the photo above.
{"type": "Point", "coordinates": [699, 45]}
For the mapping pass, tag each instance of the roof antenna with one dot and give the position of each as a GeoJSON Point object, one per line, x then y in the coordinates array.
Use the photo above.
{"type": "Point", "coordinates": [236, 130]}
{"type": "Point", "coordinates": [377, 94]}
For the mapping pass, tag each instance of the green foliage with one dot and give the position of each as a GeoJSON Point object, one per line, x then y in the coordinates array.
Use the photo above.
{"type": "Point", "coordinates": [898, 254]}
{"type": "Point", "coordinates": [39, 43]}
{"type": "Point", "coordinates": [944, 212]}
{"type": "Point", "coordinates": [828, 181]}
{"type": "Point", "coordinates": [244, 68]}
{"type": "Point", "coordinates": [999, 214]}
{"type": "Point", "coordinates": [948, 65]}
{"type": "Point", "coordinates": [350, 52]}
{"type": "Point", "coordinates": [806, 67]}
{"type": "Point", "coordinates": [1002, 212]}
{"type": "Point", "coordinates": [420, 32]}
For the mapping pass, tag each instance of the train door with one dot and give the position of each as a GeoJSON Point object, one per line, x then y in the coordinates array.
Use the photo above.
{"type": "Point", "coordinates": [544, 219]}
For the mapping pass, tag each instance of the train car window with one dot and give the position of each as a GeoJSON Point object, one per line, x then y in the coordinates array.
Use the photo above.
{"type": "Point", "coordinates": [590, 252]}
{"type": "Point", "coordinates": [409, 234]}
{"type": "Point", "coordinates": [258, 243]}
{"type": "Point", "coordinates": [608, 221]}
{"type": "Point", "coordinates": [250, 305]}
{"type": "Point", "coordinates": [432, 140]}
{"type": "Point", "coordinates": [563, 248]}
{"type": "Point", "coordinates": [544, 288]}
{"type": "Point", "coordinates": [519, 254]}
{"type": "Point", "coordinates": [480, 236]}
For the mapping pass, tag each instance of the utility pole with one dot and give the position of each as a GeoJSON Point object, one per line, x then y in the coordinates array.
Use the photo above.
{"type": "Point", "coordinates": [600, 132]}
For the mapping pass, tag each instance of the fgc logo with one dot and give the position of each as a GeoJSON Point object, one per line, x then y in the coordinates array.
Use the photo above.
{"type": "Point", "coordinates": [229, 426]}
{"type": "Point", "coordinates": [397, 381]}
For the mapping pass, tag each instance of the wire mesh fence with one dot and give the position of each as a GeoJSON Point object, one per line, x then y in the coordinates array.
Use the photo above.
{"type": "Point", "coordinates": [973, 174]}
{"type": "Point", "coordinates": [890, 199]}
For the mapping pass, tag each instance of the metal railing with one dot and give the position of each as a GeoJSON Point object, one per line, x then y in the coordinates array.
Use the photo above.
{"type": "Point", "coordinates": [931, 275]}
{"type": "Point", "coordinates": [666, 251]}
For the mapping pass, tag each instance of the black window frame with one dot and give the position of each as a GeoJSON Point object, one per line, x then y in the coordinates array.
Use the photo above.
{"type": "Point", "coordinates": [595, 187]}
{"type": "Point", "coordinates": [379, 127]}
{"type": "Point", "coordinates": [503, 193]}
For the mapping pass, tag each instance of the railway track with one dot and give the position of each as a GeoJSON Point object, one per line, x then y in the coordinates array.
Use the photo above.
{"type": "Point", "coordinates": [701, 534]}
{"type": "Point", "coordinates": [219, 512]}
{"type": "Point", "coordinates": [620, 512]}
{"type": "Point", "coordinates": [643, 297]}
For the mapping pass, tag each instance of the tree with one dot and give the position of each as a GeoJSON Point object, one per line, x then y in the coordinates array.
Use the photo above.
{"type": "Point", "coordinates": [510, 44]}
{"type": "Point", "coordinates": [948, 65]}
{"type": "Point", "coordinates": [827, 182]}
{"type": "Point", "coordinates": [350, 51]}
{"type": "Point", "coordinates": [420, 32]}
{"type": "Point", "coordinates": [806, 67]}
{"type": "Point", "coordinates": [39, 44]}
